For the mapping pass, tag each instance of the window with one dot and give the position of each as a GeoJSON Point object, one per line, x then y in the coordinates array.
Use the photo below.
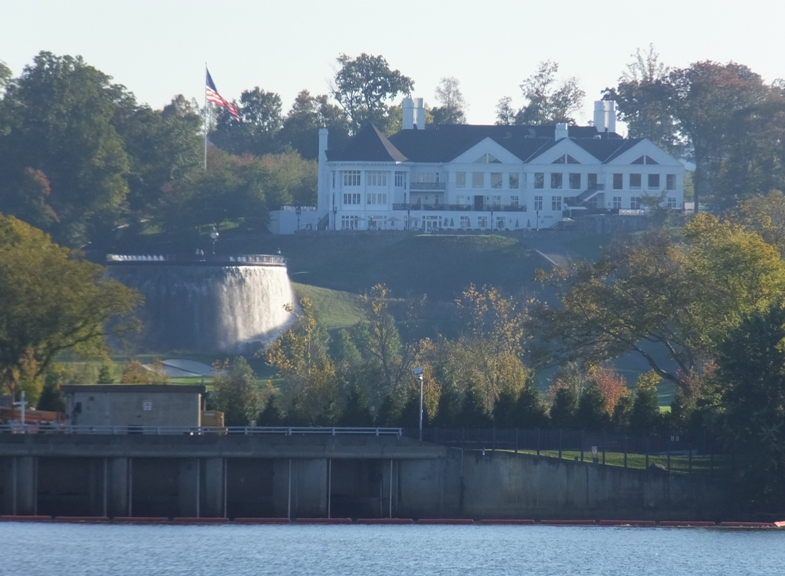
{"type": "Point", "coordinates": [513, 180]}
{"type": "Point", "coordinates": [645, 160]}
{"type": "Point", "coordinates": [556, 203]}
{"type": "Point", "coordinates": [333, 175]}
{"type": "Point", "coordinates": [350, 222]}
{"type": "Point", "coordinates": [592, 184]}
{"type": "Point", "coordinates": [460, 179]}
{"type": "Point", "coordinates": [487, 159]}
{"type": "Point", "coordinates": [351, 198]}
{"type": "Point", "coordinates": [635, 203]}
{"type": "Point", "coordinates": [351, 178]}
{"type": "Point", "coordinates": [460, 199]}
{"type": "Point", "coordinates": [465, 223]}
{"type": "Point", "coordinates": [556, 181]}
{"type": "Point", "coordinates": [654, 181]}
{"type": "Point", "coordinates": [671, 203]}
{"type": "Point", "coordinates": [374, 178]}
{"type": "Point", "coordinates": [575, 181]}
{"type": "Point", "coordinates": [635, 181]}
{"type": "Point", "coordinates": [617, 202]}
{"type": "Point", "coordinates": [400, 179]}
{"type": "Point", "coordinates": [496, 179]}
{"type": "Point", "coordinates": [500, 223]}
{"type": "Point", "coordinates": [377, 198]}
{"type": "Point", "coordinates": [514, 201]}
{"type": "Point", "coordinates": [478, 180]}
{"type": "Point", "coordinates": [539, 180]}
{"type": "Point", "coordinates": [566, 159]}
{"type": "Point", "coordinates": [496, 200]}
{"type": "Point", "coordinates": [538, 202]}
{"type": "Point", "coordinates": [482, 222]}
{"type": "Point", "coordinates": [670, 181]}
{"type": "Point", "coordinates": [618, 181]}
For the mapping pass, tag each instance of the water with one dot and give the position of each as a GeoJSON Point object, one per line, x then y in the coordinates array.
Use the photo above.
{"type": "Point", "coordinates": [209, 308]}
{"type": "Point", "coordinates": [70, 549]}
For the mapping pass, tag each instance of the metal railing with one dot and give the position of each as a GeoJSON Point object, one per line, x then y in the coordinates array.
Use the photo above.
{"type": "Point", "coordinates": [461, 207]}
{"type": "Point", "coordinates": [54, 428]}
{"type": "Point", "coordinates": [262, 259]}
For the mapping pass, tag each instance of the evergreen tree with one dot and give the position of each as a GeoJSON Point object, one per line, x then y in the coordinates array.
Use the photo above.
{"type": "Point", "coordinates": [389, 412]}
{"type": "Point", "coordinates": [504, 410]}
{"type": "Point", "coordinates": [529, 409]}
{"type": "Point", "coordinates": [449, 409]}
{"type": "Point", "coordinates": [270, 415]}
{"type": "Point", "coordinates": [356, 412]}
{"type": "Point", "coordinates": [565, 404]}
{"type": "Point", "coordinates": [591, 414]}
{"type": "Point", "coordinates": [645, 417]}
{"type": "Point", "coordinates": [473, 414]}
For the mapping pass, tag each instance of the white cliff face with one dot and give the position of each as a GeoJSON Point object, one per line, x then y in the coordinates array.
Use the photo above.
{"type": "Point", "coordinates": [209, 308]}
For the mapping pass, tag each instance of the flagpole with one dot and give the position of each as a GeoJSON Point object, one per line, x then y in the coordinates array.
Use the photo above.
{"type": "Point", "coordinates": [206, 118]}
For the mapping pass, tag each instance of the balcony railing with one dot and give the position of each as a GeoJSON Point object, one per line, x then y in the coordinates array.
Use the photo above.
{"type": "Point", "coordinates": [428, 186]}
{"type": "Point", "coordinates": [459, 208]}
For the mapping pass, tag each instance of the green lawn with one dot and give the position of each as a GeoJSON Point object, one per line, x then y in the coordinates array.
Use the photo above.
{"type": "Point", "coordinates": [335, 309]}
{"type": "Point", "coordinates": [679, 464]}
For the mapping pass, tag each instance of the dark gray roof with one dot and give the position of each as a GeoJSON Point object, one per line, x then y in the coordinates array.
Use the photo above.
{"type": "Point", "coordinates": [369, 145]}
{"type": "Point", "coordinates": [443, 143]}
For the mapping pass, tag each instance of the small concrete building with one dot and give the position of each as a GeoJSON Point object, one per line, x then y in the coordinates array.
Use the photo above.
{"type": "Point", "coordinates": [133, 405]}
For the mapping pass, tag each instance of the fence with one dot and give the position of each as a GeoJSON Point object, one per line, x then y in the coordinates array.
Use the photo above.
{"type": "Point", "coordinates": [685, 454]}
{"type": "Point", "coordinates": [55, 428]}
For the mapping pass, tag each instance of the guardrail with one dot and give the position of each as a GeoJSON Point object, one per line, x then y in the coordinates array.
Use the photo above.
{"type": "Point", "coordinates": [17, 428]}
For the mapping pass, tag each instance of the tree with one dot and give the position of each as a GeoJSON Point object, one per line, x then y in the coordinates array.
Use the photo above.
{"type": "Point", "coordinates": [563, 408]}
{"type": "Point", "coordinates": [705, 98]}
{"type": "Point", "coordinates": [53, 301]}
{"type": "Point", "coordinates": [505, 113]}
{"type": "Point", "coordinates": [380, 342]}
{"type": "Point", "coordinates": [136, 373]}
{"type": "Point", "coordinates": [645, 417]}
{"type": "Point", "coordinates": [311, 383]}
{"type": "Point", "coordinates": [751, 363]}
{"type": "Point", "coordinates": [364, 86]}
{"type": "Point", "coordinates": [452, 109]}
{"type": "Point", "coordinates": [59, 123]}
{"type": "Point", "coordinates": [591, 413]}
{"type": "Point", "coordinates": [237, 392]}
{"type": "Point", "coordinates": [612, 387]}
{"type": "Point", "coordinates": [529, 409]}
{"type": "Point", "coordinates": [256, 131]}
{"type": "Point", "coordinates": [301, 126]}
{"type": "Point", "coordinates": [547, 102]}
{"type": "Point", "coordinates": [766, 216]}
{"type": "Point", "coordinates": [663, 299]}
{"type": "Point", "coordinates": [356, 411]}
{"type": "Point", "coordinates": [642, 99]}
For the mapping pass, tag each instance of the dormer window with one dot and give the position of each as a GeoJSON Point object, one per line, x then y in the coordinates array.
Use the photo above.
{"type": "Point", "coordinates": [646, 159]}
{"type": "Point", "coordinates": [487, 159]}
{"type": "Point", "coordinates": [565, 159]}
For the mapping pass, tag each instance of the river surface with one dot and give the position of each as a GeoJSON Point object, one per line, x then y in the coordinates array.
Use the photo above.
{"type": "Point", "coordinates": [71, 550]}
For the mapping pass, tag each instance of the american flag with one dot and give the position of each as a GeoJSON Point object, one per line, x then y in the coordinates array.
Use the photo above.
{"type": "Point", "coordinates": [214, 97]}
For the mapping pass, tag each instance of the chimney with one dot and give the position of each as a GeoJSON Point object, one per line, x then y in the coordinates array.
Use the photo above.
{"type": "Point", "coordinates": [419, 113]}
{"type": "Point", "coordinates": [561, 131]}
{"type": "Point", "coordinates": [605, 116]}
{"type": "Point", "coordinates": [408, 114]}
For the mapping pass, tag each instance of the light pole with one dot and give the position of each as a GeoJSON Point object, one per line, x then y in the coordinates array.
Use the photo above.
{"type": "Point", "coordinates": [335, 217]}
{"type": "Point", "coordinates": [298, 210]}
{"type": "Point", "coordinates": [418, 372]}
{"type": "Point", "coordinates": [214, 236]}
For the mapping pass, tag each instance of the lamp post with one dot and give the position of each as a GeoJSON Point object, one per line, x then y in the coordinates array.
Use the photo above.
{"type": "Point", "coordinates": [418, 372]}
{"type": "Point", "coordinates": [299, 211]}
{"type": "Point", "coordinates": [214, 236]}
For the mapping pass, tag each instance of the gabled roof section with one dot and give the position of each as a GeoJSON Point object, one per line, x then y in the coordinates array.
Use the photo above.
{"type": "Point", "coordinates": [444, 143]}
{"type": "Point", "coordinates": [606, 150]}
{"type": "Point", "coordinates": [369, 145]}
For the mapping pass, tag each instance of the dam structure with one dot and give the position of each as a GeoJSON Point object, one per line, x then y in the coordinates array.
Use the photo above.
{"type": "Point", "coordinates": [208, 303]}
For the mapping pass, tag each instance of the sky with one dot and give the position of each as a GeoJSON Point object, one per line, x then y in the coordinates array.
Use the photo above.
{"type": "Point", "coordinates": [158, 48]}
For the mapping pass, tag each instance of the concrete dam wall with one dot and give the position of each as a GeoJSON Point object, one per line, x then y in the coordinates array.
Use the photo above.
{"type": "Point", "coordinates": [208, 306]}
{"type": "Point", "coordinates": [328, 477]}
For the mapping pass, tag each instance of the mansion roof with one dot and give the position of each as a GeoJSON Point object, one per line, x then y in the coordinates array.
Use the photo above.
{"type": "Point", "coordinates": [444, 143]}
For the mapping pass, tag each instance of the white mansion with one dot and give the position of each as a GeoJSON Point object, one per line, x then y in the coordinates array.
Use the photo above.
{"type": "Point", "coordinates": [484, 177]}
